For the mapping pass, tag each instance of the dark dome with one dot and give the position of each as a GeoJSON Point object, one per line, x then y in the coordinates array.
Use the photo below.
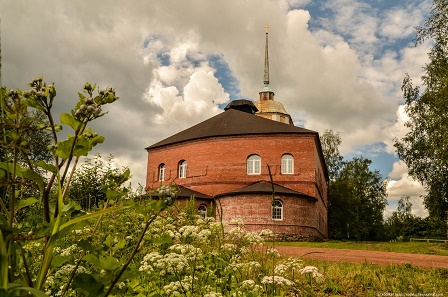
{"type": "Point", "coordinates": [242, 105]}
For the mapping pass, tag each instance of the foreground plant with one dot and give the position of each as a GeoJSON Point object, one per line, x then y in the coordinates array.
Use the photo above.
{"type": "Point", "coordinates": [25, 187]}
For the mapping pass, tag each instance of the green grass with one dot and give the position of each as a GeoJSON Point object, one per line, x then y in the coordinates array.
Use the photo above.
{"type": "Point", "coordinates": [398, 247]}
{"type": "Point", "coordinates": [365, 279]}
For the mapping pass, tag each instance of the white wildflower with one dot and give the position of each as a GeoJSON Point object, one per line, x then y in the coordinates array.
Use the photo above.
{"type": "Point", "coordinates": [311, 270]}
{"type": "Point", "coordinates": [251, 286]}
{"type": "Point", "coordinates": [213, 294]}
{"type": "Point", "coordinates": [121, 285]}
{"type": "Point", "coordinates": [230, 247]}
{"type": "Point", "coordinates": [278, 280]}
{"type": "Point", "coordinates": [237, 221]}
{"type": "Point", "coordinates": [272, 252]}
{"type": "Point", "coordinates": [253, 238]}
{"type": "Point", "coordinates": [289, 267]}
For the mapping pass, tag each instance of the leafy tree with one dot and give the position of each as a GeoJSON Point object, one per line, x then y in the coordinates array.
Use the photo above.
{"type": "Point", "coordinates": [341, 208]}
{"type": "Point", "coordinates": [331, 141]}
{"type": "Point", "coordinates": [356, 195]}
{"type": "Point", "coordinates": [425, 148]}
{"type": "Point", "coordinates": [366, 197]}
{"type": "Point", "coordinates": [401, 221]}
{"type": "Point", "coordinates": [91, 181]}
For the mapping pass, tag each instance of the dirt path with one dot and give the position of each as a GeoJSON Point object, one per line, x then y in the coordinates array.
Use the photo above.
{"type": "Point", "coordinates": [357, 256]}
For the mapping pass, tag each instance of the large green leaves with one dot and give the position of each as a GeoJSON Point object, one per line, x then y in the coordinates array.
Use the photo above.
{"type": "Point", "coordinates": [69, 120]}
{"type": "Point", "coordinates": [78, 146]}
{"type": "Point", "coordinates": [88, 285]}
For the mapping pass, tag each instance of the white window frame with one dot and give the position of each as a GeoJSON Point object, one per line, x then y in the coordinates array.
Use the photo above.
{"type": "Point", "coordinates": [287, 164]}
{"type": "Point", "coordinates": [277, 210]}
{"type": "Point", "coordinates": [254, 165]}
{"type": "Point", "coordinates": [202, 211]}
{"type": "Point", "coordinates": [183, 169]}
{"type": "Point", "coordinates": [162, 169]}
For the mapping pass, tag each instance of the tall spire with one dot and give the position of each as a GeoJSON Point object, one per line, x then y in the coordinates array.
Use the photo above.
{"type": "Point", "coordinates": [266, 93]}
{"type": "Point", "coordinates": [266, 59]}
{"type": "Point", "coordinates": [267, 107]}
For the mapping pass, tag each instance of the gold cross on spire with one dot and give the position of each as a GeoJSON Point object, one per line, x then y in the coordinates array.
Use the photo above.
{"type": "Point", "coordinates": [267, 28]}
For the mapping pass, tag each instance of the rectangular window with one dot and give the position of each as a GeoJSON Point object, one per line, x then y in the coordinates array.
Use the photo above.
{"type": "Point", "coordinates": [277, 210]}
{"type": "Point", "coordinates": [287, 164]}
{"type": "Point", "coordinates": [257, 167]}
{"type": "Point", "coordinates": [276, 213]}
{"type": "Point", "coordinates": [254, 165]}
{"type": "Point", "coordinates": [162, 173]}
{"type": "Point", "coordinates": [183, 169]}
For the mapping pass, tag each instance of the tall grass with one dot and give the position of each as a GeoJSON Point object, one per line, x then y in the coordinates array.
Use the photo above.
{"type": "Point", "coordinates": [365, 279]}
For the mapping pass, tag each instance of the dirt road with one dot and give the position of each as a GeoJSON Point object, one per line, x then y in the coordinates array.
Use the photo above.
{"type": "Point", "coordinates": [357, 256]}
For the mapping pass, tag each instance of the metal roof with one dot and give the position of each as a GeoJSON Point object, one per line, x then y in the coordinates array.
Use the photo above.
{"type": "Point", "coordinates": [264, 187]}
{"type": "Point", "coordinates": [187, 193]}
{"type": "Point", "coordinates": [232, 122]}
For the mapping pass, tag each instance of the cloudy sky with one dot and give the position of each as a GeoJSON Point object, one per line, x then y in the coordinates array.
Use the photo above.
{"type": "Point", "coordinates": [334, 64]}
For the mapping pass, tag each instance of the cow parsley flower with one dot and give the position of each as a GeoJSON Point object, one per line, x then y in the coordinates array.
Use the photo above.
{"type": "Point", "coordinates": [251, 286]}
{"type": "Point", "coordinates": [237, 221]}
{"type": "Point", "coordinates": [253, 238]}
{"type": "Point", "coordinates": [278, 280]}
{"type": "Point", "coordinates": [311, 270]}
{"type": "Point", "coordinates": [213, 294]}
{"type": "Point", "coordinates": [272, 252]}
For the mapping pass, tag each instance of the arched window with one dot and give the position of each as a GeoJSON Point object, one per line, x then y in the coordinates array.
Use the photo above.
{"type": "Point", "coordinates": [287, 164]}
{"type": "Point", "coordinates": [277, 210]}
{"type": "Point", "coordinates": [162, 172]}
{"type": "Point", "coordinates": [254, 164]}
{"type": "Point", "coordinates": [183, 169]}
{"type": "Point", "coordinates": [202, 211]}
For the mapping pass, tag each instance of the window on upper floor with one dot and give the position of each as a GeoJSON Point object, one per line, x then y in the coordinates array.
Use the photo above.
{"type": "Point", "coordinates": [277, 210]}
{"type": "Point", "coordinates": [182, 169]}
{"type": "Point", "coordinates": [254, 164]}
{"type": "Point", "coordinates": [162, 168]}
{"type": "Point", "coordinates": [202, 211]}
{"type": "Point", "coordinates": [287, 164]}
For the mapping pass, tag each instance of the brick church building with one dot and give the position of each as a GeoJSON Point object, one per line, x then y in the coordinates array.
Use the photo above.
{"type": "Point", "coordinates": [230, 158]}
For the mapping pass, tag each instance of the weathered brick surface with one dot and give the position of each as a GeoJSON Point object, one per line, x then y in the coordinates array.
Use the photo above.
{"type": "Point", "coordinates": [302, 216]}
{"type": "Point", "coordinates": [218, 165]}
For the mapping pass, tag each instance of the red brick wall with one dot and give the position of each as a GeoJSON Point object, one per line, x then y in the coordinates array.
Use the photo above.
{"type": "Point", "coordinates": [218, 165]}
{"type": "Point", "coordinates": [301, 216]}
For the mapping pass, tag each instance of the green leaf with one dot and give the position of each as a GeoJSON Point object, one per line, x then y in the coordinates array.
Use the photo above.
{"type": "Point", "coordinates": [120, 244]}
{"type": "Point", "coordinates": [26, 202]}
{"type": "Point", "coordinates": [85, 245]}
{"type": "Point", "coordinates": [64, 147]}
{"type": "Point", "coordinates": [92, 259]}
{"type": "Point", "coordinates": [47, 166]}
{"type": "Point", "coordinates": [69, 120]}
{"type": "Point", "coordinates": [58, 261]}
{"type": "Point", "coordinates": [109, 241]}
{"type": "Point", "coordinates": [38, 293]}
{"type": "Point", "coordinates": [82, 147]}
{"type": "Point", "coordinates": [91, 215]}
{"type": "Point", "coordinates": [86, 284]}
{"type": "Point", "coordinates": [107, 263]}
{"type": "Point", "coordinates": [112, 194]}
{"type": "Point", "coordinates": [34, 176]}
{"type": "Point", "coordinates": [4, 263]}
{"type": "Point", "coordinates": [164, 238]}
{"type": "Point", "coordinates": [97, 139]}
